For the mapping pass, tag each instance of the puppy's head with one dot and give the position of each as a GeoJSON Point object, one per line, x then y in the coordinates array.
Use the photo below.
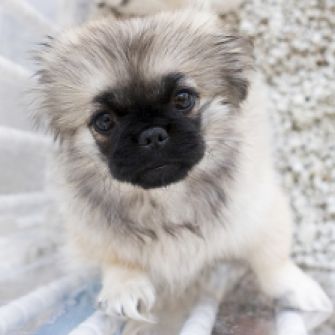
{"type": "Point", "coordinates": [144, 98]}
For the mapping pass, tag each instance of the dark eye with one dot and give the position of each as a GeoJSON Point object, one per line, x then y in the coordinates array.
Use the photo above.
{"type": "Point", "coordinates": [184, 100]}
{"type": "Point", "coordinates": [103, 123]}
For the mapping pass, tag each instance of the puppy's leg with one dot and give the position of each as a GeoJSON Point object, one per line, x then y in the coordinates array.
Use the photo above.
{"type": "Point", "coordinates": [278, 276]}
{"type": "Point", "coordinates": [127, 293]}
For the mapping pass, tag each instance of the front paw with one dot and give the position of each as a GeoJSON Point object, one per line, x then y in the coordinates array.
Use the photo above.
{"type": "Point", "coordinates": [307, 295]}
{"type": "Point", "coordinates": [129, 299]}
{"type": "Point", "coordinates": [295, 289]}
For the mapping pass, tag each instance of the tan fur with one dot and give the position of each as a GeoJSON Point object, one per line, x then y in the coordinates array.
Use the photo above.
{"type": "Point", "coordinates": [154, 245]}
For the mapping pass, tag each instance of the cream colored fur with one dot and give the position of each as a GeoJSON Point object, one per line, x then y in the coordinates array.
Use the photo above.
{"type": "Point", "coordinates": [158, 279]}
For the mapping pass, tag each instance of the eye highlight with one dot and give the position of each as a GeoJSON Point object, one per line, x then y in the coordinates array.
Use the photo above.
{"type": "Point", "coordinates": [184, 100]}
{"type": "Point", "coordinates": [103, 123]}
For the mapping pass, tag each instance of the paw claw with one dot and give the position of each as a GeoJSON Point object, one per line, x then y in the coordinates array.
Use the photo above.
{"type": "Point", "coordinates": [132, 300]}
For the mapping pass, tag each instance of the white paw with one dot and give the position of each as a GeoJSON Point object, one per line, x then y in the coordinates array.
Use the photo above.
{"type": "Point", "coordinates": [300, 291]}
{"type": "Point", "coordinates": [132, 299]}
{"type": "Point", "coordinates": [308, 296]}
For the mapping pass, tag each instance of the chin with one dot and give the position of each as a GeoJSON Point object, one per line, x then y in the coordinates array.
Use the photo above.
{"type": "Point", "coordinates": [158, 176]}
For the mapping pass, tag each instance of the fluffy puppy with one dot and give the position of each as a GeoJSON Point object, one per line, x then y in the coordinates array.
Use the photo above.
{"type": "Point", "coordinates": [164, 163]}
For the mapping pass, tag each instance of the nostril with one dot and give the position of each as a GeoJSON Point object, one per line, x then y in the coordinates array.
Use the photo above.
{"type": "Point", "coordinates": [163, 136]}
{"type": "Point", "coordinates": [147, 141]}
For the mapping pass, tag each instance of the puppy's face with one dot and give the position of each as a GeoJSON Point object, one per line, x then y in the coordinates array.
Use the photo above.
{"type": "Point", "coordinates": [147, 129]}
{"type": "Point", "coordinates": [140, 97]}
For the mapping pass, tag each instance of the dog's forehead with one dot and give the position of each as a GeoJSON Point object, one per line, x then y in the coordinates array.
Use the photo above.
{"type": "Point", "coordinates": [122, 52]}
{"type": "Point", "coordinates": [130, 68]}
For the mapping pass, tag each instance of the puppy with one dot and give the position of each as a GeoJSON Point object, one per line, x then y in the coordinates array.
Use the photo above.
{"type": "Point", "coordinates": [164, 163]}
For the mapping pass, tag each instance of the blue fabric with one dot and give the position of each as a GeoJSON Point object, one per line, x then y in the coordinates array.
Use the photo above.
{"type": "Point", "coordinates": [75, 311]}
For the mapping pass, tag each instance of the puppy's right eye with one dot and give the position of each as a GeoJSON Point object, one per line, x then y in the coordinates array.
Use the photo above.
{"type": "Point", "coordinates": [103, 123]}
{"type": "Point", "coordinates": [184, 100]}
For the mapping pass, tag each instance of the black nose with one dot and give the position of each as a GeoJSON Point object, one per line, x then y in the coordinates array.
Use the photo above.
{"type": "Point", "coordinates": [153, 137]}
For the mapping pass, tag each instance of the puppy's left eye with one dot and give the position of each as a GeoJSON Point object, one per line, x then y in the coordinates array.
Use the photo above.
{"type": "Point", "coordinates": [184, 100]}
{"type": "Point", "coordinates": [103, 123]}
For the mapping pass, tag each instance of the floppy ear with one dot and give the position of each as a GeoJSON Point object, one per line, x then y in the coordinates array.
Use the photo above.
{"type": "Point", "coordinates": [55, 87]}
{"type": "Point", "coordinates": [41, 115]}
{"type": "Point", "coordinates": [236, 65]}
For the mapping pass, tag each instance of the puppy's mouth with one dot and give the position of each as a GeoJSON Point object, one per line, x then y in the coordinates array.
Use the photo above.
{"type": "Point", "coordinates": [160, 175]}
{"type": "Point", "coordinates": [159, 167]}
